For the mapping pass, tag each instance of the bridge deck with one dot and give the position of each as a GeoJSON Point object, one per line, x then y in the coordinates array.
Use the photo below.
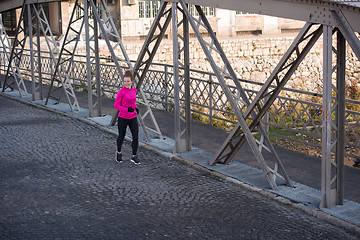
{"type": "Point", "coordinates": [6, 5]}
{"type": "Point", "coordinates": [318, 11]}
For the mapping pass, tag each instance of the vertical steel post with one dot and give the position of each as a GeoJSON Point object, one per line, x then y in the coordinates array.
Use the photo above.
{"type": "Point", "coordinates": [88, 57]}
{"type": "Point", "coordinates": [35, 54]}
{"type": "Point", "coordinates": [39, 87]}
{"type": "Point", "coordinates": [166, 88]}
{"type": "Point", "coordinates": [340, 117]}
{"type": "Point", "coordinates": [107, 28]}
{"type": "Point", "coordinates": [97, 67]}
{"type": "Point", "coordinates": [234, 100]}
{"type": "Point", "coordinates": [327, 194]}
{"type": "Point", "coordinates": [182, 134]}
{"type": "Point", "coordinates": [93, 75]}
{"type": "Point", "coordinates": [32, 59]}
{"type": "Point", "coordinates": [3, 52]}
{"type": "Point", "coordinates": [348, 32]}
{"type": "Point", "coordinates": [178, 140]}
{"type": "Point", "coordinates": [187, 82]}
{"type": "Point", "coordinates": [211, 99]}
{"type": "Point", "coordinates": [15, 56]}
{"type": "Point", "coordinates": [63, 63]}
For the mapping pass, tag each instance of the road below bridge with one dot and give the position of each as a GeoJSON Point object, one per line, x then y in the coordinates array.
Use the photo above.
{"type": "Point", "coordinates": [59, 180]}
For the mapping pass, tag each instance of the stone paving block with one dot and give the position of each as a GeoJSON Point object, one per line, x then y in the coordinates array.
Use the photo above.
{"type": "Point", "coordinates": [59, 180]}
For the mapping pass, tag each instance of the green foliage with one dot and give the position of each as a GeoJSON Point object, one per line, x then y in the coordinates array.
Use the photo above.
{"type": "Point", "coordinates": [82, 87]}
{"type": "Point", "coordinates": [199, 116]}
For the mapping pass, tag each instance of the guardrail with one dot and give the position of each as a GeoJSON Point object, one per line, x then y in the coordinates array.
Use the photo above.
{"type": "Point", "coordinates": [295, 118]}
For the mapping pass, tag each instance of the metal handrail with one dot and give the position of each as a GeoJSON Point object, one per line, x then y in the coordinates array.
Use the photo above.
{"type": "Point", "coordinates": [159, 90]}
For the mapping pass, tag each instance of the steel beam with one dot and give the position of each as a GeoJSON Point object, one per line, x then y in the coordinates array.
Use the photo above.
{"type": "Point", "coordinates": [108, 28]}
{"type": "Point", "coordinates": [14, 59]}
{"type": "Point", "coordinates": [64, 81]}
{"type": "Point", "coordinates": [181, 64]}
{"type": "Point", "coordinates": [35, 52]}
{"type": "Point", "coordinates": [236, 99]}
{"type": "Point", "coordinates": [6, 5]}
{"type": "Point", "coordinates": [92, 60]}
{"type": "Point", "coordinates": [186, 67]}
{"type": "Point", "coordinates": [270, 90]}
{"type": "Point", "coordinates": [4, 41]}
{"type": "Point", "coordinates": [42, 24]}
{"type": "Point", "coordinates": [347, 31]}
{"type": "Point", "coordinates": [179, 144]}
{"type": "Point", "coordinates": [327, 192]}
{"type": "Point", "coordinates": [147, 52]}
{"type": "Point", "coordinates": [289, 63]}
{"type": "Point", "coordinates": [318, 12]}
{"type": "Point", "coordinates": [340, 117]}
{"type": "Point", "coordinates": [333, 117]}
{"type": "Point", "coordinates": [150, 46]}
{"type": "Point", "coordinates": [60, 79]}
{"type": "Point", "coordinates": [39, 87]}
{"type": "Point", "coordinates": [146, 55]}
{"type": "Point", "coordinates": [6, 51]}
{"type": "Point", "coordinates": [305, 10]}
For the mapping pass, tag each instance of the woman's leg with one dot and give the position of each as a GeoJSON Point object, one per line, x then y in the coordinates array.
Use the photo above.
{"type": "Point", "coordinates": [122, 124]}
{"type": "Point", "coordinates": [134, 128]}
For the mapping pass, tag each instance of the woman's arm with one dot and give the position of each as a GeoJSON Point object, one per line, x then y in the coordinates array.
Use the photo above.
{"type": "Point", "coordinates": [118, 100]}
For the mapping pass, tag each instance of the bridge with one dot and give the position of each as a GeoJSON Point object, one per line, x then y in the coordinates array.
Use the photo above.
{"type": "Point", "coordinates": [324, 18]}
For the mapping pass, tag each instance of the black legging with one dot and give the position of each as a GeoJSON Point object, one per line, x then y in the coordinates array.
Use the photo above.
{"type": "Point", "coordinates": [134, 128]}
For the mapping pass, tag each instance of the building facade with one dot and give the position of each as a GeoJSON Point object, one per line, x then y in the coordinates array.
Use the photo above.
{"type": "Point", "coordinates": [133, 18]}
{"type": "Point", "coordinates": [136, 18]}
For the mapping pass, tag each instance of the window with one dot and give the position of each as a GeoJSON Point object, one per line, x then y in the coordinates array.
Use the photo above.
{"type": "Point", "coordinates": [79, 11]}
{"type": "Point", "coordinates": [242, 13]}
{"type": "Point", "coordinates": [208, 11]}
{"type": "Point", "coordinates": [99, 10]}
{"type": "Point", "coordinates": [148, 9]}
{"type": "Point", "coordinates": [9, 21]}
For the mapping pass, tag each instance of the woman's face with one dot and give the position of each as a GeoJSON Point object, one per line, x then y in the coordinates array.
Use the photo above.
{"type": "Point", "coordinates": [127, 82]}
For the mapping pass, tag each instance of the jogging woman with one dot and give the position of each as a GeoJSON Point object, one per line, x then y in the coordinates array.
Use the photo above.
{"type": "Point", "coordinates": [125, 102]}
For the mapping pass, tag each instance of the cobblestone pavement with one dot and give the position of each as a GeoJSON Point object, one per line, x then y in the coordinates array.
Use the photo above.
{"type": "Point", "coordinates": [59, 180]}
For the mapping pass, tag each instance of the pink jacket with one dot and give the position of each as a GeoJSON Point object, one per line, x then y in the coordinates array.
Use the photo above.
{"type": "Point", "coordinates": [126, 98]}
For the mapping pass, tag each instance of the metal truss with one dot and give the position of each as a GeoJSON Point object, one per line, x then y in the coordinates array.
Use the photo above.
{"type": "Point", "coordinates": [347, 31]}
{"type": "Point", "coordinates": [36, 20]}
{"type": "Point", "coordinates": [108, 29]}
{"type": "Point", "coordinates": [181, 64]}
{"type": "Point", "coordinates": [331, 135]}
{"type": "Point", "coordinates": [5, 45]}
{"type": "Point", "coordinates": [268, 94]}
{"type": "Point", "coordinates": [248, 109]}
{"type": "Point", "coordinates": [333, 127]}
{"type": "Point", "coordinates": [14, 59]}
{"type": "Point", "coordinates": [152, 43]}
{"type": "Point", "coordinates": [92, 59]}
{"type": "Point", "coordinates": [237, 99]}
{"type": "Point", "coordinates": [144, 61]}
{"type": "Point", "coordinates": [60, 78]}
{"type": "Point", "coordinates": [147, 53]}
{"type": "Point", "coordinates": [35, 13]}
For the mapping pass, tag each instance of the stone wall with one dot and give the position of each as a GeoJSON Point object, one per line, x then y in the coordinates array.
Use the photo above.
{"type": "Point", "coordinates": [255, 58]}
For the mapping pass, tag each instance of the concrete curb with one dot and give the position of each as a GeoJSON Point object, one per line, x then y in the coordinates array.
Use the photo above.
{"type": "Point", "coordinates": [280, 199]}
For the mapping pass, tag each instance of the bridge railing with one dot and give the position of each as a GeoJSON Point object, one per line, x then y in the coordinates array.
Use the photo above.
{"type": "Point", "coordinates": [294, 117]}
